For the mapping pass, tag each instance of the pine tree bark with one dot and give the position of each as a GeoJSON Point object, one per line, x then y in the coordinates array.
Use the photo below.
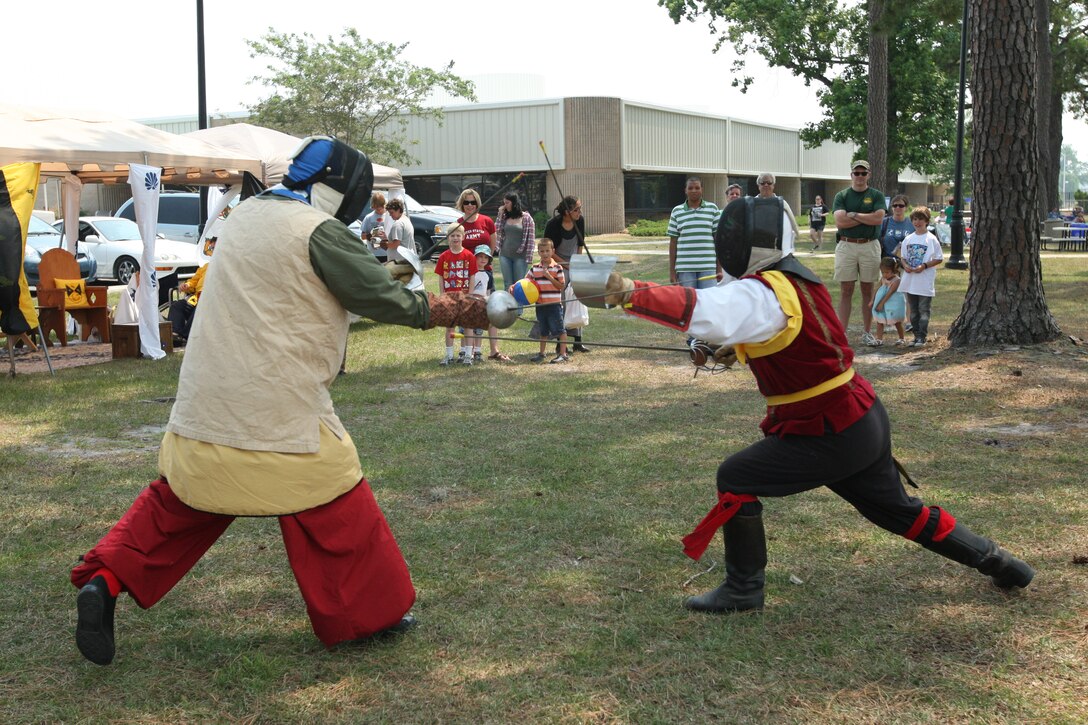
{"type": "Point", "coordinates": [877, 132]}
{"type": "Point", "coordinates": [1043, 88]}
{"type": "Point", "coordinates": [1005, 301]}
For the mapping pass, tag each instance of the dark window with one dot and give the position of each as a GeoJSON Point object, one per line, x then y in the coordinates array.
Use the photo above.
{"type": "Point", "coordinates": [179, 210]}
{"type": "Point", "coordinates": [444, 190]}
{"type": "Point", "coordinates": [652, 194]}
{"type": "Point", "coordinates": [810, 189]}
{"type": "Point", "coordinates": [129, 212]}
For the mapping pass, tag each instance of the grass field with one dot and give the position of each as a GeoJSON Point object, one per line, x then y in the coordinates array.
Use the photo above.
{"type": "Point", "coordinates": [540, 509]}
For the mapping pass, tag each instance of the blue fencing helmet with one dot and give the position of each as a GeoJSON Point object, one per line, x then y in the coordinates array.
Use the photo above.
{"type": "Point", "coordinates": [337, 178]}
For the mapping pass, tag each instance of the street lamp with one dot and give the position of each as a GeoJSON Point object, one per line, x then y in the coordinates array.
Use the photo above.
{"type": "Point", "coordinates": [956, 261]}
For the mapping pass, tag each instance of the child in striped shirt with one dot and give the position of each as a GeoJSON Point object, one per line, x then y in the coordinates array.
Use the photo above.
{"type": "Point", "coordinates": [548, 276]}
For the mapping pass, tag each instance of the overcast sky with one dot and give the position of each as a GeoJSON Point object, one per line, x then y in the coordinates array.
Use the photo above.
{"type": "Point", "coordinates": [137, 58]}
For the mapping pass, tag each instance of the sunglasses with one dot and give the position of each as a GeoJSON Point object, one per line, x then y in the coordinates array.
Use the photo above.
{"type": "Point", "coordinates": [861, 173]}
{"type": "Point", "coordinates": [766, 183]}
{"type": "Point", "coordinates": [899, 206]}
{"type": "Point", "coordinates": [470, 202]}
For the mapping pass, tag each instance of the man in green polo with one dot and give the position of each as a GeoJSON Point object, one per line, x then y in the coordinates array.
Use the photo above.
{"type": "Point", "coordinates": [692, 260]}
{"type": "Point", "coordinates": [859, 210]}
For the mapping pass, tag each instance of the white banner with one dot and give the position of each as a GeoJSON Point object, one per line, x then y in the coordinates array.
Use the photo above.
{"type": "Point", "coordinates": [70, 192]}
{"type": "Point", "coordinates": [145, 182]}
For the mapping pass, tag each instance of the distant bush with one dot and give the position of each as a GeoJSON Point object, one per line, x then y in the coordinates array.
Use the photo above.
{"type": "Point", "coordinates": [540, 218]}
{"type": "Point", "coordinates": [649, 228]}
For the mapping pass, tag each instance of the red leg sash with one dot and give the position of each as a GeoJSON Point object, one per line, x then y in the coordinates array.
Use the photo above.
{"type": "Point", "coordinates": [728, 504]}
{"type": "Point", "coordinates": [945, 524]}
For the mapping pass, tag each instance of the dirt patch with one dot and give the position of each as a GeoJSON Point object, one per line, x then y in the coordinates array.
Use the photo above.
{"type": "Point", "coordinates": [73, 355]}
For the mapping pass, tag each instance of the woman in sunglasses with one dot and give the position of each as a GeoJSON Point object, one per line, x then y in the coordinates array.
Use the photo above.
{"type": "Point", "coordinates": [893, 231]}
{"type": "Point", "coordinates": [480, 229]}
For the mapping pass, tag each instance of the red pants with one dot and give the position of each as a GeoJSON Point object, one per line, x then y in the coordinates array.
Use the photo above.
{"type": "Point", "coordinates": [344, 557]}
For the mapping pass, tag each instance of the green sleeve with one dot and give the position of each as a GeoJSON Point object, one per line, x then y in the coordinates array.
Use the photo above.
{"type": "Point", "coordinates": [839, 202]}
{"type": "Point", "coordinates": [360, 282]}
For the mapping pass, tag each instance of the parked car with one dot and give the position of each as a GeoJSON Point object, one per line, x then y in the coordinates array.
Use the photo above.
{"type": "Point", "coordinates": [40, 238]}
{"type": "Point", "coordinates": [429, 222]}
{"type": "Point", "coordinates": [117, 245]}
{"type": "Point", "coordinates": [179, 215]}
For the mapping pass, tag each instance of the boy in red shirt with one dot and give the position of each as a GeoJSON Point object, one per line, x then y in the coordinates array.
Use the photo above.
{"type": "Point", "coordinates": [455, 266]}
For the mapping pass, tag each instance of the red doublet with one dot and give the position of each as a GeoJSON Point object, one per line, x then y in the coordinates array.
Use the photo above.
{"type": "Point", "coordinates": [818, 353]}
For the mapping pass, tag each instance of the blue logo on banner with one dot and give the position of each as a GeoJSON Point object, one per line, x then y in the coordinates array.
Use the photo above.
{"type": "Point", "coordinates": [151, 181]}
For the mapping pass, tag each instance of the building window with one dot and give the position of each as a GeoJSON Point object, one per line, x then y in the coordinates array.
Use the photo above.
{"type": "Point", "coordinates": [444, 190]}
{"type": "Point", "coordinates": [652, 195]}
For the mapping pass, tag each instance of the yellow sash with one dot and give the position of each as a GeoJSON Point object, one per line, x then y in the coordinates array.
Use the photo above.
{"type": "Point", "coordinates": [787, 297]}
{"type": "Point", "coordinates": [840, 379]}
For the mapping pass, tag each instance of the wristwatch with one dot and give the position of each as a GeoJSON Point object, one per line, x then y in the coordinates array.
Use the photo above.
{"type": "Point", "coordinates": [852, 215]}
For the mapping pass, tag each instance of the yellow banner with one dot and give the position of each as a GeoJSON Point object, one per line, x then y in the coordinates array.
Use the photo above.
{"type": "Point", "coordinates": [18, 192]}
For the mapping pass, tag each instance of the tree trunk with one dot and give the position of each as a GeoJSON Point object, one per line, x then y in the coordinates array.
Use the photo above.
{"type": "Point", "coordinates": [1054, 140]}
{"type": "Point", "coordinates": [877, 132]}
{"type": "Point", "coordinates": [1004, 302]}
{"type": "Point", "coordinates": [1044, 82]}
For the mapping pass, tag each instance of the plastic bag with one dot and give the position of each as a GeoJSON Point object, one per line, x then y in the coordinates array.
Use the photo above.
{"type": "Point", "coordinates": [575, 314]}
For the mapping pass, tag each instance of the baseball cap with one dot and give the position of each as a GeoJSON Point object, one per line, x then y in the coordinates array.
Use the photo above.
{"type": "Point", "coordinates": [483, 249]}
{"type": "Point", "coordinates": [862, 163]}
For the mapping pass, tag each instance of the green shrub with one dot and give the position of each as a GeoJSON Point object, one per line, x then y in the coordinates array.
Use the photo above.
{"type": "Point", "coordinates": [540, 218]}
{"type": "Point", "coordinates": [649, 228]}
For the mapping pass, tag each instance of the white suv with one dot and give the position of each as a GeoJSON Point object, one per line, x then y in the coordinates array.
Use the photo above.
{"type": "Point", "coordinates": [179, 215]}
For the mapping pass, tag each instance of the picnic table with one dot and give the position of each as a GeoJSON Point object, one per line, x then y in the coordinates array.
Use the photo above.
{"type": "Point", "coordinates": [1072, 237]}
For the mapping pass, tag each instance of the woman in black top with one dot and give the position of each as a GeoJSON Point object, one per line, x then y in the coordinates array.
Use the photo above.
{"type": "Point", "coordinates": [567, 230]}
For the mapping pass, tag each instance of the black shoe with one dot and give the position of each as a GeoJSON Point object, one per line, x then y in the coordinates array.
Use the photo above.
{"type": "Point", "coordinates": [94, 625]}
{"type": "Point", "coordinates": [745, 561]}
{"type": "Point", "coordinates": [407, 622]}
{"type": "Point", "coordinates": [579, 347]}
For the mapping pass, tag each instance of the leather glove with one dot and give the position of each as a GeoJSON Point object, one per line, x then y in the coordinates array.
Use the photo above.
{"type": "Point", "coordinates": [725, 355]}
{"type": "Point", "coordinates": [617, 292]}
{"type": "Point", "coordinates": [400, 271]}
{"type": "Point", "coordinates": [458, 310]}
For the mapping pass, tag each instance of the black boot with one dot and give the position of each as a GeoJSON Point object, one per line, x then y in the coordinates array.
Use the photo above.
{"type": "Point", "coordinates": [968, 548]}
{"type": "Point", "coordinates": [745, 560]}
{"type": "Point", "coordinates": [94, 625]}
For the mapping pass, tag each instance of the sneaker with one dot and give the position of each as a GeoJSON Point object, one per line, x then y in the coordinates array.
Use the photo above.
{"type": "Point", "coordinates": [539, 357]}
{"type": "Point", "coordinates": [466, 361]}
{"type": "Point", "coordinates": [559, 359]}
{"type": "Point", "coordinates": [908, 327]}
{"type": "Point", "coordinates": [579, 347]}
{"type": "Point", "coordinates": [477, 356]}
{"type": "Point", "coordinates": [461, 356]}
{"type": "Point", "coordinates": [900, 343]}
{"type": "Point", "coordinates": [867, 338]}
{"type": "Point", "coordinates": [94, 621]}
{"type": "Point", "coordinates": [876, 343]}
{"type": "Point", "coordinates": [445, 362]}
{"type": "Point", "coordinates": [918, 343]}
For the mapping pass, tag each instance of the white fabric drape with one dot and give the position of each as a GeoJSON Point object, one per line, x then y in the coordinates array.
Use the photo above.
{"type": "Point", "coordinates": [222, 200]}
{"type": "Point", "coordinates": [71, 189]}
{"type": "Point", "coordinates": [144, 181]}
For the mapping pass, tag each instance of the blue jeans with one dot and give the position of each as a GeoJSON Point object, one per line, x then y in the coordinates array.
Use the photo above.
{"type": "Point", "coordinates": [692, 279]}
{"type": "Point", "coordinates": [513, 269]}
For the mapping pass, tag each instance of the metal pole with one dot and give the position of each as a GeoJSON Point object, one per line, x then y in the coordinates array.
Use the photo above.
{"type": "Point", "coordinates": [201, 99]}
{"type": "Point", "coordinates": [956, 260]}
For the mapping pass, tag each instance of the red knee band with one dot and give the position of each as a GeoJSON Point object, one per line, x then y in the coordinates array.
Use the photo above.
{"type": "Point", "coordinates": [728, 504]}
{"type": "Point", "coordinates": [918, 525]}
{"type": "Point", "coordinates": [945, 524]}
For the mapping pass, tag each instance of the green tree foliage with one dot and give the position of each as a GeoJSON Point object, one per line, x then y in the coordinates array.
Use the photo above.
{"type": "Point", "coordinates": [354, 89]}
{"type": "Point", "coordinates": [827, 42]}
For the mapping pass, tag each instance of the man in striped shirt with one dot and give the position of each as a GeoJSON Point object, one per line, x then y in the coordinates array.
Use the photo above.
{"type": "Point", "coordinates": [692, 260]}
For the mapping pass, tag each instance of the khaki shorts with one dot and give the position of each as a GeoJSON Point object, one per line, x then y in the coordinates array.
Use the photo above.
{"type": "Point", "coordinates": [857, 262]}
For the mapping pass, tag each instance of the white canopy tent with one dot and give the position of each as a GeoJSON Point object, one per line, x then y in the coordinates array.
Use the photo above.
{"type": "Point", "coordinates": [273, 149]}
{"type": "Point", "coordinates": [83, 147]}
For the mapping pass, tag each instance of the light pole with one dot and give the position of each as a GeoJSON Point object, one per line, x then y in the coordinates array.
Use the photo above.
{"type": "Point", "coordinates": [201, 99]}
{"type": "Point", "coordinates": [956, 260]}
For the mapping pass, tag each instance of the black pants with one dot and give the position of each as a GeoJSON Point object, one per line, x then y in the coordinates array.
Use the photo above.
{"type": "Point", "coordinates": [181, 318]}
{"type": "Point", "coordinates": [856, 464]}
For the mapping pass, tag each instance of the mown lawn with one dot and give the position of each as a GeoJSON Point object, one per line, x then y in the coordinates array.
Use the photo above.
{"type": "Point", "coordinates": [540, 509]}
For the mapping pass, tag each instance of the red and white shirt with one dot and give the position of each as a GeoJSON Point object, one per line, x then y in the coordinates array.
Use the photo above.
{"type": "Point", "coordinates": [456, 270]}
{"type": "Point", "coordinates": [548, 291]}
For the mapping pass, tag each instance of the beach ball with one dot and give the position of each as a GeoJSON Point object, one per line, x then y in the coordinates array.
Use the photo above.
{"type": "Point", "coordinates": [525, 292]}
